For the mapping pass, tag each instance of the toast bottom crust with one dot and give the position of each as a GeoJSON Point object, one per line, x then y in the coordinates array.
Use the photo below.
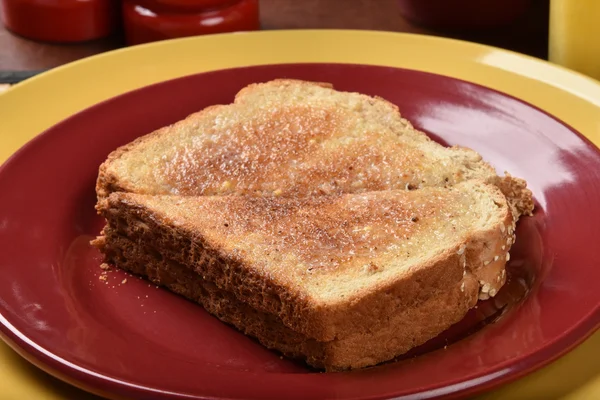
{"type": "Point", "coordinates": [405, 330]}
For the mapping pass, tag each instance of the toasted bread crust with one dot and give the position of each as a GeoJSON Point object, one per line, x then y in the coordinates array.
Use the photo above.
{"type": "Point", "coordinates": [519, 196]}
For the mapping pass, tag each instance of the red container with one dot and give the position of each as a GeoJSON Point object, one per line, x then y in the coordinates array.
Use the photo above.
{"type": "Point", "coordinates": [463, 14]}
{"type": "Point", "coordinates": [152, 20]}
{"type": "Point", "coordinates": [60, 20]}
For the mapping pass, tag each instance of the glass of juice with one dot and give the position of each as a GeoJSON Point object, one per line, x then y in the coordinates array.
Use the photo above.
{"type": "Point", "coordinates": [574, 40]}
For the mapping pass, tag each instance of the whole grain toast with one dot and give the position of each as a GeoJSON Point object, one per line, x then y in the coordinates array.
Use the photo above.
{"type": "Point", "coordinates": [320, 222]}
{"type": "Point", "coordinates": [295, 138]}
{"type": "Point", "coordinates": [331, 267]}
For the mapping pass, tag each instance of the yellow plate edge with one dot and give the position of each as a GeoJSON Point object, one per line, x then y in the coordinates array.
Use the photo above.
{"type": "Point", "coordinates": [36, 104]}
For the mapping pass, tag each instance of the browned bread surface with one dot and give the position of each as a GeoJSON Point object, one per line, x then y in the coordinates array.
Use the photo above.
{"type": "Point", "coordinates": [292, 138]}
{"type": "Point", "coordinates": [328, 266]}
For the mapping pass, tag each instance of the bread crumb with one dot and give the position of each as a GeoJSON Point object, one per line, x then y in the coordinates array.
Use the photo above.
{"type": "Point", "coordinates": [103, 278]}
{"type": "Point", "coordinates": [124, 281]}
{"type": "Point", "coordinates": [105, 267]}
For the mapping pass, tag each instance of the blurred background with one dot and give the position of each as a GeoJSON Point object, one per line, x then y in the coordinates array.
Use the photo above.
{"type": "Point", "coordinates": [39, 34]}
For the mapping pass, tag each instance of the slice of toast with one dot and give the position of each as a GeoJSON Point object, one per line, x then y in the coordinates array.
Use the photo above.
{"type": "Point", "coordinates": [295, 138]}
{"type": "Point", "coordinates": [416, 323]}
{"type": "Point", "coordinates": [338, 270]}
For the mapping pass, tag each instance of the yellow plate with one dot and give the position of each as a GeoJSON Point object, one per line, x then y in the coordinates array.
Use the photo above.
{"type": "Point", "coordinates": [34, 105]}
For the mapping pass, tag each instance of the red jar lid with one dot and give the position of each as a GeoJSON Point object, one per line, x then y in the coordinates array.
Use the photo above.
{"type": "Point", "coordinates": [60, 20]}
{"type": "Point", "coordinates": [186, 5]}
{"type": "Point", "coordinates": [152, 20]}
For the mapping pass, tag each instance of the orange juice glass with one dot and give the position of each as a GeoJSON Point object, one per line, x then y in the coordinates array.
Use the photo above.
{"type": "Point", "coordinates": [574, 40]}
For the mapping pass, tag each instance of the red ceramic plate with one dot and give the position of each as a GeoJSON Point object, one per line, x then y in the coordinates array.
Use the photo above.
{"type": "Point", "coordinates": [134, 340]}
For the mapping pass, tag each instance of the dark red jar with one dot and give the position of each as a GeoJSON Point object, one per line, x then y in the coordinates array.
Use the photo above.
{"type": "Point", "coordinates": [61, 21]}
{"type": "Point", "coordinates": [463, 14]}
{"type": "Point", "coordinates": [152, 20]}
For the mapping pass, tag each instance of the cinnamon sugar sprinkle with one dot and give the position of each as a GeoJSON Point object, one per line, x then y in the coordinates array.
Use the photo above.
{"type": "Point", "coordinates": [290, 151]}
{"type": "Point", "coordinates": [325, 232]}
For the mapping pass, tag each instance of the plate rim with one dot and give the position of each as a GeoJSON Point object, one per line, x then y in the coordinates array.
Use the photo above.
{"type": "Point", "coordinates": [35, 82]}
{"type": "Point", "coordinates": [502, 372]}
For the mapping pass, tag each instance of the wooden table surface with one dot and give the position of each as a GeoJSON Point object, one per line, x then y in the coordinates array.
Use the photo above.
{"type": "Point", "coordinates": [526, 35]}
